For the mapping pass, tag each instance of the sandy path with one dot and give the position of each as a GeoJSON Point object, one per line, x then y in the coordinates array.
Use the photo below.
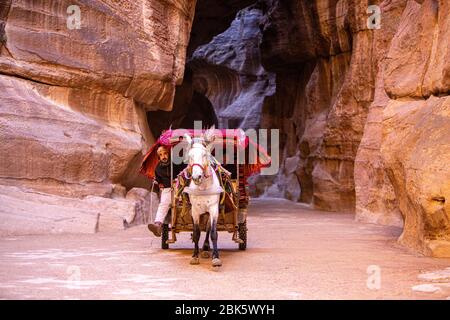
{"type": "Point", "coordinates": [293, 253]}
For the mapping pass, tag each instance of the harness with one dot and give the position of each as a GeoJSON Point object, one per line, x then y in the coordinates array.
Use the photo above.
{"type": "Point", "coordinates": [223, 175]}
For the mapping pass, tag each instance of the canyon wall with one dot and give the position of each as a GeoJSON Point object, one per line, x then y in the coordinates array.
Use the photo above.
{"type": "Point", "coordinates": [322, 54]}
{"type": "Point", "coordinates": [225, 83]}
{"type": "Point", "coordinates": [403, 162]}
{"type": "Point", "coordinates": [229, 73]}
{"type": "Point", "coordinates": [73, 105]}
{"type": "Point", "coordinates": [363, 112]}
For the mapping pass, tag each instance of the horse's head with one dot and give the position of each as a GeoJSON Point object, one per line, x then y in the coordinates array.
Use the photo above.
{"type": "Point", "coordinates": [199, 156]}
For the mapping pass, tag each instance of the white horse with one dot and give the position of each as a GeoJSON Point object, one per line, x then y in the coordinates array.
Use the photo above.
{"type": "Point", "coordinates": [204, 193]}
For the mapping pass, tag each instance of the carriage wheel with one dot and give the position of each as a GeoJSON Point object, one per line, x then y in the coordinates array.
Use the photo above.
{"type": "Point", "coordinates": [243, 235]}
{"type": "Point", "coordinates": [164, 236]}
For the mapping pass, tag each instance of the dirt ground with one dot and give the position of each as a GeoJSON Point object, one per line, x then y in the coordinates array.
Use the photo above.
{"type": "Point", "coordinates": [293, 253]}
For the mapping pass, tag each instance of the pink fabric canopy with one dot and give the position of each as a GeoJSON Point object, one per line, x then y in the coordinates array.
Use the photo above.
{"type": "Point", "coordinates": [237, 137]}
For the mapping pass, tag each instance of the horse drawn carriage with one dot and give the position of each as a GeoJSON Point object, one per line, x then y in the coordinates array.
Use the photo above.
{"type": "Point", "coordinates": [231, 157]}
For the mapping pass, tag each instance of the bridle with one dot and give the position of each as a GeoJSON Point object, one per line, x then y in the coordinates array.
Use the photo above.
{"type": "Point", "coordinates": [203, 167]}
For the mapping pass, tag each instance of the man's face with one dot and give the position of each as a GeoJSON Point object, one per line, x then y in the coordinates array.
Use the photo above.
{"type": "Point", "coordinates": [163, 155]}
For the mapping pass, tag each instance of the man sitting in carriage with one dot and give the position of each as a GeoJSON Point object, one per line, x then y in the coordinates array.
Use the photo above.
{"type": "Point", "coordinates": [163, 176]}
{"type": "Point", "coordinates": [156, 166]}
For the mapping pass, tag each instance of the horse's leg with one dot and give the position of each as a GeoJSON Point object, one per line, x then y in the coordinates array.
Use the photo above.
{"type": "Point", "coordinates": [214, 215]}
{"type": "Point", "coordinates": [205, 249]}
{"type": "Point", "coordinates": [195, 235]}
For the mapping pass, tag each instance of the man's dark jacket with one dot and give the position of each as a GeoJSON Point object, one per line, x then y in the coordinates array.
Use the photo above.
{"type": "Point", "coordinates": [162, 173]}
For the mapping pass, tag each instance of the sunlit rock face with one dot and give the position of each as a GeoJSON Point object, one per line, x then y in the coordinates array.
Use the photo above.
{"type": "Point", "coordinates": [363, 112]}
{"type": "Point", "coordinates": [402, 163]}
{"type": "Point", "coordinates": [135, 48]}
{"type": "Point", "coordinates": [416, 152]}
{"type": "Point", "coordinates": [376, 200]}
{"type": "Point", "coordinates": [73, 101]}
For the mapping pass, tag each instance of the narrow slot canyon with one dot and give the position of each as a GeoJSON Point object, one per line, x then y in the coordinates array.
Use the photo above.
{"type": "Point", "coordinates": [362, 112]}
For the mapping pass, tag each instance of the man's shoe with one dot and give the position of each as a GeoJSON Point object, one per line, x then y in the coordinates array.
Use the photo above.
{"type": "Point", "coordinates": [155, 228]}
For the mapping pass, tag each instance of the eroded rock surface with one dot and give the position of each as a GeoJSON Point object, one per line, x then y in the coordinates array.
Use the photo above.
{"type": "Point", "coordinates": [73, 105]}
{"type": "Point", "coordinates": [364, 111]}
{"type": "Point", "coordinates": [402, 166]}
{"type": "Point", "coordinates": [228, 71]}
